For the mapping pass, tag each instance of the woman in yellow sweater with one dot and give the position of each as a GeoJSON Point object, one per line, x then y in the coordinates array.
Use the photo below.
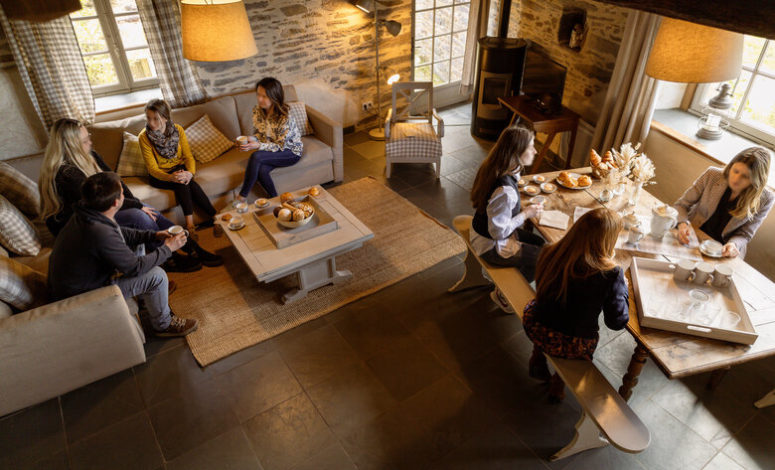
{"type": "Point", "coordinates": [170, 163]}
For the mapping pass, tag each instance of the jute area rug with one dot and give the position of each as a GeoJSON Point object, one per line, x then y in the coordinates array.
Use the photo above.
{"type": "Point", "coordinates": [235, 311]}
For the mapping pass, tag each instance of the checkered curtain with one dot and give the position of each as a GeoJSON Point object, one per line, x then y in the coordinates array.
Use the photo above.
{"type": "Point", "coordinates": [179, 82]}
{"type": "Point", "coordinates": [51, 67]}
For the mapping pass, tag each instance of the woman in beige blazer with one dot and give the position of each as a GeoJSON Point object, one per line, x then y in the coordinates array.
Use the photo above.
{"type": "Point", "coordinates": [729, 204]}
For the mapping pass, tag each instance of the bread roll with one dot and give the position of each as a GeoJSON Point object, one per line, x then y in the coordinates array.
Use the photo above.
{"type": "Point", "coordinates": [298, 215]}
{"type": "Point", "coordinates": [285, 197]}
{"type": "Point", "coordinates": [284, 214]}
{"type": "Point", "coordinates": [314, 191]}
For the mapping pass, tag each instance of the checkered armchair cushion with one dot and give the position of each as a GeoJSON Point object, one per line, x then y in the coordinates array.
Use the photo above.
{"type": "Point", "coordinates": [206, 141]}
{"type": "Point", "coordinates": [410, 137]}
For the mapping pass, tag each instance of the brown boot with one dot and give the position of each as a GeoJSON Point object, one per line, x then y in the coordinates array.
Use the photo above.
{"type": "Point", "coordinates": [537, 367]}
{"type": "Point", "coordinates": [556, 389]}
{"type": "Point", "coordinates": [178, 327]}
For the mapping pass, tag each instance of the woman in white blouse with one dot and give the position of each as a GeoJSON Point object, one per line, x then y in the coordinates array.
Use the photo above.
{"type": "Point", "coordinates": [498, 236]}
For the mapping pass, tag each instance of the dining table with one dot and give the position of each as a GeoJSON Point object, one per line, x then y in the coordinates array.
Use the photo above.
{"type": "Point", "coordinates": [677, 354]}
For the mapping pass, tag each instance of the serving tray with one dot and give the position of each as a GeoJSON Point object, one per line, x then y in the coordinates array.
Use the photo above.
{"type": "Point", "coordinates": [282, 237]}
{"type": "Point", "coordinates": [666, 304]}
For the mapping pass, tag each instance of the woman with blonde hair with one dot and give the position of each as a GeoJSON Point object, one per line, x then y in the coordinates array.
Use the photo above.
{"type": "Point", "coordinates": [69, 159]}
{"type": "Point", "coordinates": [576, 278]}
{"type": "Point", "coordinates": [170, 162]}
{"type": "Point", "coordinates": [498, 236]}
{"type": "Point", "coordinates": [729, 204]}
{"type": "Point", "coordinates": [276, 140]}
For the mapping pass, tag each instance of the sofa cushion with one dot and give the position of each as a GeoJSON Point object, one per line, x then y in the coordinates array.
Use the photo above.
{"type": "Point", "coordinates": [17, 234]}
{"type": "Point", "coordinates": [5, 310]}
{"type": "Point", "coordinates": [245, 103]}
{"type": "Point", "coordinates": [21, 191]}
{"type": "Point", "coordinates": [206, 141]}
{"type": "Point", "coordinates": [108, 137]}
{"type": "Point", "coordinates": [131, 162]}
{"type": "Point", "coordinates": [315, 152]}
{"type": "Point", "coordinates": [298, 112]}
{"type": "Point", "coordinates": [223, 113]}
{"type": "Point", "coordinates": [21, 286]}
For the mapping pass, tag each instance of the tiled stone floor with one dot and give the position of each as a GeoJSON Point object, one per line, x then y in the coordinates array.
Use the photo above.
{"type": "Point", "coordinates": [410, 377]}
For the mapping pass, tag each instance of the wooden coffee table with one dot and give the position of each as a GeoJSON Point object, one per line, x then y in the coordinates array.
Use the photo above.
{"type": "Point", "coordinates": [313, 261]}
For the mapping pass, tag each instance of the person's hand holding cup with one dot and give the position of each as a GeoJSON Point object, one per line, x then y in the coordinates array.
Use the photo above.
{"type": "Point", "coordinates": [177, 237]}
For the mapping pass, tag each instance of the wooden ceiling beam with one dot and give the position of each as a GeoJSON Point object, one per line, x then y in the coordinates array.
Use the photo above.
{"type": "Point", "coordinates": [753, 17]}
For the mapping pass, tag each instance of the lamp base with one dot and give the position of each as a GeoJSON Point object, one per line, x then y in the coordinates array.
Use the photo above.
{"type": "Point", "coordinates": [709, 134]}
{"type": "Point", "coordinates": [377, 133]}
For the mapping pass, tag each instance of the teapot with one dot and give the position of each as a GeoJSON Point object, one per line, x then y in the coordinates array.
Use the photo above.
{"type": "Point", "coordinates": [663, 218]}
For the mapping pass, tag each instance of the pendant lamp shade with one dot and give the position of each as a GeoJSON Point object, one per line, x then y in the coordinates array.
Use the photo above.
{"type": "Point", "coordinates": [216, 30]}
{"type": "Point", "coordinates": [38, 10]}
{"type": "Point", "coordinates": [692, 53]}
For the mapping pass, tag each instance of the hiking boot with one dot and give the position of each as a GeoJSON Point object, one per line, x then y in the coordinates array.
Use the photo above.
{"type": "Point", "coordinates": [207, 258]}
{"type": "Point", "coordinates": [178, 327]}
{"type": "Point", "coordinates": [181, 264]}
{"type": "Point", "coordinates": [501, 301]}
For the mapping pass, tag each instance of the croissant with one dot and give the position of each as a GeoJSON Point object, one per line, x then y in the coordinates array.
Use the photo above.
{"type": "Point", "coordinates": [584, 180]}
{"type": "Point", "coordinates": [594, 157]}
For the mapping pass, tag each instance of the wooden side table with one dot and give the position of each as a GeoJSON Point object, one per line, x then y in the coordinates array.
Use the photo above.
{"type": "Point", "coordinates": [565, 121]}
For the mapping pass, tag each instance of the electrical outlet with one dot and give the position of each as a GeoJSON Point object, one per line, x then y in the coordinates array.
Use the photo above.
{"type": "Point", "coordinates": [367, 106]}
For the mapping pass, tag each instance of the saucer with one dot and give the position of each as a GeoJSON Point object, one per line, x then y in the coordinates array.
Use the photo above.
{"type": "Point", "coordinates": [548, 188]}
{"type": "Point", "coordinates": [539, 178]}
{"type": "Point", "coordinates": [261, 203]}
{"type": "Point", "coordinates": [522, 182]}
{"type": "Point", "coordinates": [711, 248]}
{"type": "Point", "coordinates": [531, 190]}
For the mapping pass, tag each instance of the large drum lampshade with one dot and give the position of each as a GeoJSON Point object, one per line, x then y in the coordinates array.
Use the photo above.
{"type": "Point", "coordinates": [216, 30]}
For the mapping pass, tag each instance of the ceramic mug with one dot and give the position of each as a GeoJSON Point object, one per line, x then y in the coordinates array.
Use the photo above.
{"type": "Point", "coordinates": [703, 273]}
{"type": "Point", "coordinates": [176, 229]}
{"type": "Point", "coordinates": [636, 234]}
{"type": "Point", "coordinates": [722, 275]}
{"type": "Point", "coordinates": [683, 271]}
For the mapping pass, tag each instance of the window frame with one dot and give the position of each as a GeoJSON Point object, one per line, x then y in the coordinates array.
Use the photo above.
{"type": "Point", "coordinates": [448, 61]}
{"type": "Point", "coordinates": [737, 125]}
{"type": "Point", "coordinates": [108, 21]}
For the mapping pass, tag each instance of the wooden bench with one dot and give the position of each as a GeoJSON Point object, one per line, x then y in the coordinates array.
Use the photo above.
{"type": "Point", "coordinates": [606, 418]}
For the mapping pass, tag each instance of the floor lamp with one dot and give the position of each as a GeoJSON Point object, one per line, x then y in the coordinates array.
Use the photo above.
{"type": "Point", "coordinates": [393, 27]}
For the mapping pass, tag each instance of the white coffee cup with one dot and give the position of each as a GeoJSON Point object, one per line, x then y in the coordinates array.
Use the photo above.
{"type": "Point", "coordinates": [722, 275]}
{"type": "Point", "coordinates": [703, 273]}
{"type": "Point", "coordinates": [683, 270]}
{"type": "Point", "coordinates": [636, 234]}
{"type": "Point", "coordinates": [242, 140]}
{"type": "Point", "coordinates": [176, 229]}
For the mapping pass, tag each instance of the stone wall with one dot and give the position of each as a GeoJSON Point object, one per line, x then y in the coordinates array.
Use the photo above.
{"type": "Point", "coordinates": [589, 69]}
{"type": "Point", "coordinates": [325, 48]}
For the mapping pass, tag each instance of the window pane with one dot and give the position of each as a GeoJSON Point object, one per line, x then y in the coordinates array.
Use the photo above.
{"type": "Point", "coordinates": [100, 70]}
{"type": "Point", "coordinates": [443, 21]}
{"type": "Point", "coordinates": [423, 51]}
{"type": "Point", "coordinates": [441, 47]}
{"type": "Point", "coordinates": [457, 2]}
{"type": "Point", "coordinates": [423, 4]}
{"type": "Point", "coordinates": [443, 3]}
{"type": "Point", "coordinates": [738, 92]}
{"type": "Point", "coordinates": [423, 24]}
{"type": "Point", "coordinates": [87, 9]}
{"type": "Point", "coordinates": [131, 31]}
{"type": "Point", "coordinates": [752, 48]}
{"type": "Point", "coordinates": [123, 6]}
{"type": "Point", "coordinates": [456, 71]}
{"type": "Point", "coordinates": [440, 73]}
{"type": "Point", "coordinates": [768, 63]}
{"type": "Point", "coordinates": [141, 64]}
{"type": "Point", "coordinates": [422, 74]}
{"type": "Point", "coordinates": [90, 37]}
{"type": "Point", "coordinates": [461, 18]}
{"type": "Point", "coordinates": [459, 44]}
{"type": "Point", "coordinates": [760, 107]}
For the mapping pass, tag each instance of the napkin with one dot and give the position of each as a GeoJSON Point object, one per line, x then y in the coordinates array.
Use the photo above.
{"type": "Point", "coordinates": [555, 219]}
{"type": "Point", "coordinates": [579, 211]}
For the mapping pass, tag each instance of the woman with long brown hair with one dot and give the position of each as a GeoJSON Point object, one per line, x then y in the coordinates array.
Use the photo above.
{"type": "Point", "coordinates": [576, 278]}
{"type": "Point", "coordinates": [729, 204]}
{"type": "Point", "coordinates": [170, 162]}
{"type": "Point", "coordinates": [276, 140]}
{"type": "Point", "coordinates": [498, 236]}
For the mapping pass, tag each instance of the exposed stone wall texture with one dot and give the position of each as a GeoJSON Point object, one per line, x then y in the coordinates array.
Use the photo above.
{"type": "Point", "coordinates": [590, 69]}
{"type": "Point", "coordinates": [325, 48]}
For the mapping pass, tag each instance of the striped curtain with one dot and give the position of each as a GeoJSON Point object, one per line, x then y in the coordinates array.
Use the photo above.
{"type": "Point", "coordinates": [178, 80]}
{"type": "Point", "coordinates": [51, 68]}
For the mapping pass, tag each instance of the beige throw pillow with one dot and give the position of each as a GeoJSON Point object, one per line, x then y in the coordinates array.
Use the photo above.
{"type": "Point", "coordinates": [206, 141]}
{"type": "Point", "coordinates": [21, 286]}
{"type": "Point", "coordinates": [17, 234]}
{"type": "Point", "coordinates": [21, 191]}
{"type": "Point", "coordinates": [131, 162]}
{"type": "Point", "coordinates": [298, 112]}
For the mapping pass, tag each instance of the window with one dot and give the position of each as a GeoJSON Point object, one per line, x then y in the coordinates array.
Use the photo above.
{"type": "Point", "coordinates": [113, 46]}
{"type": "Point", "coordinates": [753, 92]}
{"type": "Point", "coordinates": [440, 40]}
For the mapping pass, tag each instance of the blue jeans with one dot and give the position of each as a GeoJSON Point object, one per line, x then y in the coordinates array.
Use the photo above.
{"type": "Point", "coordinates": [136, 218]}
{"type": "Point", "coordinates": [153, 288]}
{"type": "Point", "coordinates": [261, 163]}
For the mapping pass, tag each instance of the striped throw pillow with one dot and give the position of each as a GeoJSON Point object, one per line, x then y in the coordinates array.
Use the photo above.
{"type": "Point", "coordinates": [21, 286]}
{"type": "Point", "coordinates": [298, 112]}
{"type": "Point", "coordinates": [131, 162]}
{"type": "Point", "coordinates": [21, 191]}
{"type": "Point", "coordinates": [206, 141]}
{"type": "Point", "coordinates": [17, 234]}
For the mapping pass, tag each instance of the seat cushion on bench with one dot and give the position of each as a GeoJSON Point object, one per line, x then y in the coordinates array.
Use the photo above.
{"type": "Point", "coordinates": [315, 152]}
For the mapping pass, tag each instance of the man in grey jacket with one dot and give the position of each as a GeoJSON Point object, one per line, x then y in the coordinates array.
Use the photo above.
{"type": "Point", "coordinates": [93, 251]}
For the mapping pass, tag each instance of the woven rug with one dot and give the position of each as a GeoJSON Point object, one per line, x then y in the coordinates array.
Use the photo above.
{"type": "Point", "coordinates": [235, 311]}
